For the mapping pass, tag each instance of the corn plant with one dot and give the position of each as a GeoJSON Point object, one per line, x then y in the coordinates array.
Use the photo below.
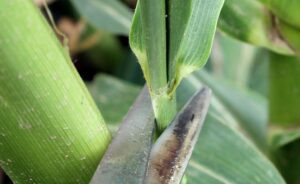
{"type": "Point", "coordinates": [57, 128]}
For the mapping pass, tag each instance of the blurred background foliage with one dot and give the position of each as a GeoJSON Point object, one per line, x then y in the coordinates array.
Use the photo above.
{"type": "Point", "coordinates": [237, 72]}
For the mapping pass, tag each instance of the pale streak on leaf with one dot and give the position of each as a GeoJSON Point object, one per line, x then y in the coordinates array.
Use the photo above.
{"type": "Point", "coordinates": [209, 172]}
{"type": "Point", "coordinates": [114, 14]}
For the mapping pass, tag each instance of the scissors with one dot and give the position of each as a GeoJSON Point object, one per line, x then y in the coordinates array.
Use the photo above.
{"type": "Point", "coordinates": [134, 157]}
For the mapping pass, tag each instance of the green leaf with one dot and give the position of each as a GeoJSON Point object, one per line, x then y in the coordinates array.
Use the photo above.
{"type": "Point", "coordinates": [248, 108]}
{"type": "Point", "coordinates": [171, 40]}
{"type": "Point", "coordinates": [110, 94]}
{"type": "Point", "coordinates": [285, 137]}
{"type": "Point", "coordinates": [192, 26]}
{"type": "Point", "coordinates": [223, 155]}
{"type": "Point", "coordinates": [109, 15]}
{"type": "Point", "coordinates": [50, 129]}
{"type": "Point", "coordinates": [284, 90]}
{"type": "Point", "coordinates": [232, 59]}
{"type": "Point", "coordinates": [291, 35]}
{"type": "Point", "coordinates": [148, 42]}
{"type": "Point", "coordinates": [286, 10]}
{"type": "Point", "coordinates": [250, 21]}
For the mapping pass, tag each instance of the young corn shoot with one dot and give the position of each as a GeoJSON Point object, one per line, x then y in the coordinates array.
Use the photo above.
{"type": "Point", "coordinates": [171, 39]}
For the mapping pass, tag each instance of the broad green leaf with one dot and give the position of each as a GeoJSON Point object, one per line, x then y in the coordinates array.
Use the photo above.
{"type": "Point", "coordinates": [171, 40]}
{"type": "Point", "coordinates": [284, 90]}
{"type": "Point", "coordinates": [223, 155]}
{"type": "Point", "coordinates": [291, 35]}
{"type": "Point", "coordinates": [232, 59]}
{"type": "Point", "coordinates": [249, 109]}
{"type": "Point", "coordinates": [249, 21]}
{"type": "Point", "coordinates": [50, 129]}
{"type": "Point", "coordinates": [126, 159]}
{"type": "Point", "coordinates": [258, 80]}
{"type": "Point", "coordinates": [110, 94]}
{"type": "Point", "coordinates": [109, 15]}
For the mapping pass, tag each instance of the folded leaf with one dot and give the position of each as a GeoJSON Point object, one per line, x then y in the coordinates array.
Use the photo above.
{"type": "Point", "coordinates": [192, 26]}
{"type": "Point", "coordinates": [250, 21]}
{"type": "Point", "coordinates": [109, 15]}
{"type": "Point", "coordinates": [286, 10]}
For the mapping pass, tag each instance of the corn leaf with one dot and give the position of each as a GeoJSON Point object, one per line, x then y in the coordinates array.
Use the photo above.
{"type": "Point", "coordinates": [284, 90]}
{"type": "Point", "coordinates": [251, 22]}
{"type": "Point", "coordinates": [223, 155]}
{"type": "Point", "coordinates": [50, 129]}
{"type": "Point", "coordinates": [286, 10]}
{"type": "Point", "coordinates": [285, 137]}
{"type": "Point", "coordinates": [108, 15]}
{"type": "Point", "coordinates": [110, 93]}
{"type": "Point", "coordinates": [172, 39]}
{"type": "Point", "coordinates": [192, 26]}
{"type": "Point", "coordinates": [252, 115]}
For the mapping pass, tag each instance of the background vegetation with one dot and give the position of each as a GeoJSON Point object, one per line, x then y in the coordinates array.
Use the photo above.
{"type": "Point", "coordinates": [251, 133]}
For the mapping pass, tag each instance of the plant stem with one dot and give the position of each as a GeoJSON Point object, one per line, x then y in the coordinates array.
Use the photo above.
{"type": "Point", "coordinates": [50, 129]}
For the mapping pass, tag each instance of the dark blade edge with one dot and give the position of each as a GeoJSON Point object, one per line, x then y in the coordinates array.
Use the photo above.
{"type": "Point", "coordinates": [170, 154]}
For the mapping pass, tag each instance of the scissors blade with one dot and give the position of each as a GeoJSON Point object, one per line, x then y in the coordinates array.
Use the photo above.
{"type": "Point", "coordinates": [170, 154]}
{"type": "Point", "coordinates": [127, 156]}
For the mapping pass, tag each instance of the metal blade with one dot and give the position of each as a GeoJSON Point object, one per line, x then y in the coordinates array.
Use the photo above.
{"type": "Point", "coordinates": [170, 154]}
{"type": "Point", "coordinates": [127, 156]}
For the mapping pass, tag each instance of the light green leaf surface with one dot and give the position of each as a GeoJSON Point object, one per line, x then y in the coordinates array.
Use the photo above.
{"type": "Point", "coordinates": [50, 129]}
{"type": "Point", "coordinates": [113, 95]}
{"type": "Point", "coordinates": [249, 109]}
{"type": "Point", "coordinates": [250, 21]}
{"type": "Point", "coordinates": [192, 26]}
{"type": "Point", "coordinates": [171, 40]}
{"type": "Point", "coordinates": [223, 155]}
{"type": "Point", "coordinates": [232, 59]}
{"type": "Point", "coordinates": [109, 15]}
